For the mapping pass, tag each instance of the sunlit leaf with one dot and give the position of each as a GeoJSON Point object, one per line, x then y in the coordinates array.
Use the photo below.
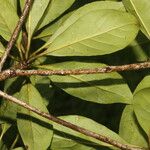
{"type": "Point", "coordinates": [8, 18]}
{"type": "Point", "coordinates": [99, 88]}
{"type": "Point", "coordinates": [140, 8]}
{"type": "Point", "coordinates": [89, 7]}
{"type": "Point", "coordinates": [130, 125]}
{"type": "Point", "coordinates": [93, 32]}
{"type": "Point", "coordinates": [35, 130]}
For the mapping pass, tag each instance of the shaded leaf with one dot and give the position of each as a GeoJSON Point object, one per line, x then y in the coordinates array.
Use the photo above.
{"type": "Point", "coordinates": [2, 49]}
{"type": "Point", "coordinates": [8, 19]}
{"type": "Point", "coordinates": [64, 143]}
{"type": "Point", "coordinates": [35, 130]}
{"type": "Point", "coordinates": [89, 125]}
{"type": "Point", "coordinates": [8, 111]}
{"type": "Point", "coordinates": [54, 9]}
{"type": "Point", "coordinates": [140, 8]}
{"type": "Point", "coordinates": [93, 32]}
{"type": "Point", "coordinates": [99, 88]}
{"type": "Point", "coordinates": [2, 146]}
{"type": "Point", "coordinates": [130, 125]}
{"type": "Point", "coordinates": [47, 92]}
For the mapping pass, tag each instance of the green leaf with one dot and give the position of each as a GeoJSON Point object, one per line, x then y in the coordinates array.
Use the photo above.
{"type": "Point", "coordinates": [14, 3]}
{"type": "Point", "coordinates": [99, 88]}
{"type": "Point", "coordinates": [2, 49]}
{"type": "Point", "coordinates": [2, 146]}
{"type": "Point", "coordinates": [89, 125]}
{"type": "Point", "coordinates": [130, 125]}
{"type": "Point", "coordinates": [141, 104]}
{"type": "Point", "coordinates": [19, 148]}
{"type": "Point", "coordinates": [35, 130]}
{"type": "Point", "coordinates": [141, 108]}
{"type": "Point", "coordinates": [47, 92]}
{"type": "Point", "coordinates": [8, 111]}
{"type": "Point", "coordinates": [140, 8]}
{"type": "Point", "coordinates": [35, 15]}
{"type": "Point", "coordinates": [8, 19]}
{"type": "Point", "coordinates": [54, 9]}
{"type": "Point", "coordinates": [144, 84]}
{"type": "Point", "coordinates": [49, 31]}
{"type": "Point", "coordinates": [64, 143]}
{"type": "Point", "coordinates": [94, 6]}
{"type": "Point", "coordinates": [93, 32]}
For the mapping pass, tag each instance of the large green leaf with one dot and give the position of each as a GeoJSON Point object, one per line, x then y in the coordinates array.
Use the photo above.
{"type": "Point", "coordinates": [14, 3]}
{"type": "Point", "coordinates": [130, 125]}
{"type": "Point", "coordinates": [140, 8]}
{"type": "Point", "coordinates": [141, 104]}
{"type": "Point", "coordinates": [89, 125]}
{"type": "Point", "coordinates": [49, 31]}
{"type": "Point", "coordinates": [64, 143]}
{"type": "Point", "coordinates": [93, 32]}
{"type": "Point", "coordinates": [8, 18]}
{"type": "Point", "coordinates": [35, 15]}
{"type": "Point", "coordinates": [54, 9]}
{"type": "Point", "coordinates": [99, 88]}
{"type": "Point", "coordinates": [35, 130]}
{"type": "Point", "coordinates": [2, 49]}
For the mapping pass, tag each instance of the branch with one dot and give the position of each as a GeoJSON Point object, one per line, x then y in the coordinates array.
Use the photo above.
{"type": "Point", "coordinates": [70, 125]}
{"type": "Point", "coordinates": [16, 32]}
{"type": "Point", "coordinates": [13, 73]}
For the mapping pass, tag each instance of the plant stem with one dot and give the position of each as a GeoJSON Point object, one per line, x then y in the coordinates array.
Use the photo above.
{"type": "Point", "coordinates": [16, 32]}
{"type": "Point", "coordinates": [70, 125]}
{"type": "Point", "coordinates": [13, 73]}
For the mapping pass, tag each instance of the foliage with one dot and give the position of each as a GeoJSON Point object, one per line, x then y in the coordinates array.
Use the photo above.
{"type": "Point", "coordinates": [69, 34]}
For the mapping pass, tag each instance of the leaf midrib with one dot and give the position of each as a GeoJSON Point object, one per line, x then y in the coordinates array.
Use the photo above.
{"type": "Point", "coordinates": [88, 38]}
{"type": "Point", "coordinates": [132, 3]}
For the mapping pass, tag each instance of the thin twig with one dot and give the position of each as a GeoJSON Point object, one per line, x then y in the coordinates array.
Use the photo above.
{"type": "Point", "coordinates": [13, 73]}
{"type": "Point", "coordinates": [16, 32]}
{"type": "Point", "coordinates": [70, 125]}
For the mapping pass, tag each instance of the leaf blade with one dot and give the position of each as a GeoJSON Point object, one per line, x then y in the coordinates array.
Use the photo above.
{"type": "Point", "coordinates": [99, 88]}
{"type": "Point", "coordinates": [8, 19]}
{"type": "Point", "coordinates": [34, 127]}
{"type": "Point", "coordinates": [141, 10]}
{"type": "Point", "coordinates": [86, 36]}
